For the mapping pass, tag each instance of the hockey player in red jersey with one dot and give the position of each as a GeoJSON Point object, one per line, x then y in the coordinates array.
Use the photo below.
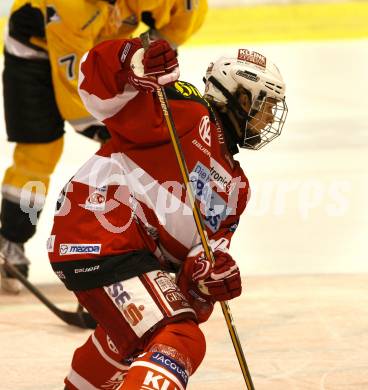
{"type": "Point", "coordinates": [124, 226]}
{"type": "Point", "coordinates": [43, 44]}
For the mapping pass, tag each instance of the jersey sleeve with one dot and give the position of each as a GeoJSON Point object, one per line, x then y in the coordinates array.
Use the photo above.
{"type": "Point", "coordinates": [186, 17]}
{"type": "Point", "coordinates": [108, 96]}
{"type": "Point", "coordinates": [174, 20]}
{"type": "Point", "coordinates": [103, 85]}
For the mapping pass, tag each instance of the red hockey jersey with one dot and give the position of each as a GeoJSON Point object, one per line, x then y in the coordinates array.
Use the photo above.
{"type": "Point", "coordinates": [130, 195]}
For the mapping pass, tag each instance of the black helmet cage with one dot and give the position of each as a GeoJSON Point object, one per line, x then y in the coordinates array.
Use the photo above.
{"type": "Point", "coordinates": [271, 130]}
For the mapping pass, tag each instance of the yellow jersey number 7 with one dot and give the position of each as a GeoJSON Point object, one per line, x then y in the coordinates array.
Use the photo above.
{"type": "Point", "coordinates": [69, 62]}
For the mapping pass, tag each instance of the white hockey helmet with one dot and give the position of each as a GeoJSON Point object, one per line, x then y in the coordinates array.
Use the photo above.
{"type": "Point", "coordinates": [261, 80]}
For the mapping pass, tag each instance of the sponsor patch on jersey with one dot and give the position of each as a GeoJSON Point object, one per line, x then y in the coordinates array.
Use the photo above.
{"type": "Point", "coordinates": [86, 269]}
{"type": "Point", "coordinates": [204, 150]}
{"type": "Point", "coordinates": [170, 365]}
{"type": "Point", "coordinates": [135, 304]}
{"type": "Point", "coordinates": [252, 56]}
{"type": "Point", "coordinates": [97, 200]}
{"type": "Point", "coordinates": [221, 177]}
{"type": "Point", "coordinates": [73, 249]}
{"type": "Point", "coordinates": [171, 292]}
{"type": "Point", "coordinates": [215, 208]}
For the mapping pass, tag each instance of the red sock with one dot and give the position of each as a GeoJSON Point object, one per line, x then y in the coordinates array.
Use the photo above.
{"type": "Point", "coordinates": [96, 364]}
{"type": "Point", "coordinates": [155, 371]}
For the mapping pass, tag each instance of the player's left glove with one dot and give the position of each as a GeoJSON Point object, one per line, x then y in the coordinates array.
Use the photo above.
{"type": "Point", "coordinates": [204, 283]}
{"type": "Point", "coordinates": [154, 67]}
{"type": "Point", "coordinates": [221, 281]}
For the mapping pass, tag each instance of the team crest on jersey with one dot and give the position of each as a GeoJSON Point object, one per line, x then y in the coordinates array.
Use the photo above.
{"type": "Point", "coordinates": [205, 130]}
{"type": "Point", "coordinates": [97, 200]}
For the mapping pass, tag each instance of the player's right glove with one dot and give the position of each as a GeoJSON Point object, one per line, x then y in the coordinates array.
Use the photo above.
{"type": "Point", "coordinates": [154, 67]}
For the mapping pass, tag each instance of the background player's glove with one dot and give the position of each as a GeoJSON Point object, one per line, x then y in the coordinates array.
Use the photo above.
{"type": "Point", "coordinates": [154, 67]}
{"type": "Point", "coordinates": [98, 133]}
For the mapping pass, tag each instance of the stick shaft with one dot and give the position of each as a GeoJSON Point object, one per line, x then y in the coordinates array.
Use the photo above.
{"type": "Point", "coordinates": [202, 232]}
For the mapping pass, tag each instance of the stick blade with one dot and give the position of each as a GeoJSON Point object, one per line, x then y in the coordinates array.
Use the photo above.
{"type": "Point", "coordinates": [81, 319]}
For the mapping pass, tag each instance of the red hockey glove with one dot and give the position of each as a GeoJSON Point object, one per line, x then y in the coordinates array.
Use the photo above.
{"type": "Point", "coordinates": [221, 281]}
{"type": "Point", "coordinates": [156, 66]}
{"type": "Point", "coordinates": [203, 283]}
{"type": "Point", "coordinates": [159, 58]}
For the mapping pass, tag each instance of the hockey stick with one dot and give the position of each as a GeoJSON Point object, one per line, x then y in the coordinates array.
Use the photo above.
{"type": "Point", "coordinates": [199, 221]}
{"type": "Point", "coordinates": [79, 318]}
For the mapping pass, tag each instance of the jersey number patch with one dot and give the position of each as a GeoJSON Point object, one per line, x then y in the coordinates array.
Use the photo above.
{"type": "Point", "coordinates": [69, 61]}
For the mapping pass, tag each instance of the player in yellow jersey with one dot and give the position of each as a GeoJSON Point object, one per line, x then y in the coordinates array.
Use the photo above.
{"type": "Point", "coordinates": [44, 42]}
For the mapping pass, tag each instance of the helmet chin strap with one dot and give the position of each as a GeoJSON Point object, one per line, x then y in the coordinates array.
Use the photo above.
{"type": "Point", "coordinates": [231, 123]}
{"type": "Point", "coordinates": [230, 98]}
{"type": "Point", "coordinates": [231, 136]}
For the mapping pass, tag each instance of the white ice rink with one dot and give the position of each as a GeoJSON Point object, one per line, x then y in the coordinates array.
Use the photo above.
{"type": "Point", "coordinates": [308, 210]}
